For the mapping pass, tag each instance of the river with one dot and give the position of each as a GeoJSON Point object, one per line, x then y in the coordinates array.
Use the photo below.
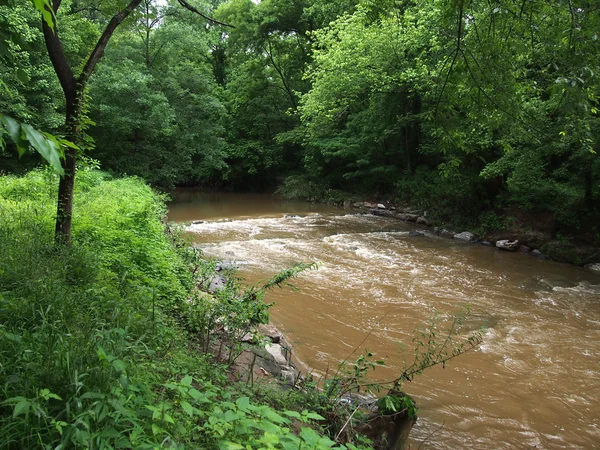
{"type": "Point", "coordinates": [533, 383]}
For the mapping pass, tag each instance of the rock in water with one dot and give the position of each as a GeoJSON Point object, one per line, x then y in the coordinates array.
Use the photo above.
{"type": "Point", "coordinates": [416, 233]}
{"type": "Point", "coordinates": [465, 236]}
{"type": "Point", "coordinates": [388, 431]}
{"type": "Point", "coordinates": [382, 212]}
{"type": "Point", "coordinates": [511, 246]}
{"type": "Point", "coordinates": [407, 217]}
{"type": "Point", "coordinates": [446, 233]}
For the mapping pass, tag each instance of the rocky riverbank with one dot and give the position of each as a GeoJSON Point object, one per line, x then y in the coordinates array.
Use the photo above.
{"type": "Point", "coordinates": [535, 243]}
{"type": "Point", "coordinates": [265, 356]}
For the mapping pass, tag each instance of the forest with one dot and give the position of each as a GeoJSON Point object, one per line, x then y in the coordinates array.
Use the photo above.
{"type": "Point", "coordinates": [483, 113]}
{"type": "Point", "coordinates": [474, 110]}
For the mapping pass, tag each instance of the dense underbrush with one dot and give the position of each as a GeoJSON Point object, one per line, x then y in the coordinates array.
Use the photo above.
{"type": "Point", "coordinates": [97, 342]}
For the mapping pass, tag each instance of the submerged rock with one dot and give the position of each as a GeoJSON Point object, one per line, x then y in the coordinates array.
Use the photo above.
{"type": "Point", "coordinates": [382, 213]}
{"type": "Point", "coordinates": [407, 217]}
{"type": "Point", "coordinates": [511, 246]}
{"type": "Point", "coordinates": [416, 233]}
{"type": "Point", "coordinates": [446, 233]}
{"type": "Point", "coordinates": [465, 236]}
{"type": "Point", "coordinates": [226, 265]}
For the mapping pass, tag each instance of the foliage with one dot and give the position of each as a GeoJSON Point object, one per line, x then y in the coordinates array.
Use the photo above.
{"type": "Point", "coordinates": [90, 352]}
{"type": "Point", "coordinates": [159, 114]}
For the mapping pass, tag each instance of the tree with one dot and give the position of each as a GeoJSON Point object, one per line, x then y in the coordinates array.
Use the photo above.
{"type": "Point", "coordinates": [74, 87]}
{"type": "Point", "coordinates": [163, 121]}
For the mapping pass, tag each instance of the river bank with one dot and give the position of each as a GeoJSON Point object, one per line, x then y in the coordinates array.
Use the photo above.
{"type": "Point", "coordinates": [105, 343]}
{"type": "Point", "coordinates": [535, 370]}
{"type": "Point", "coordinates": [523, 239]}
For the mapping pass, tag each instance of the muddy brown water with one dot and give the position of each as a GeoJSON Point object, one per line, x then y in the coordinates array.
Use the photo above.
{"type": "Point", "coordinates": [533, 383]}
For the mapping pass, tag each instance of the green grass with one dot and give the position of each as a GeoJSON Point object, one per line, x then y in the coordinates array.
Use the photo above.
{"type": "Point", "coordinates": [101, 343]}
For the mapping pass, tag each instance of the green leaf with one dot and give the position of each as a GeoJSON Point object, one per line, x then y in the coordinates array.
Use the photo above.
{"type": "Point", "coordinates": [92, 395]}
{"type": "Point", "coordinates": [46, 395]}
{"type": "Point", "coordinates": [186, 381]}
{"type": "Point", "coordinates": [294, 414]}
{"type": "Point", "coordinates": [273, 416]}
{"type": "Point", "coordinates": [44, 146]}
{"type": "Point", "coordinates": [309, 436]}
{"type": "Point", "coordinates": [189, 409]}
{"type": "Point", "coordinates": [315, 416]}
{"type": "Point", "coordinates": [45, 8]}
{"type": "Point", "coordinates": [14, 131]}
{"type": "Point", "coordinates": [230, 446]}
{"type": "Point", "coordinates": [21, 407]}
{"type": "Point", "coordinates": [118, 365]}
{"type": "Point", "coordinates": [243, 403]}
{"type": "Point", "coordinates": [198, 396]}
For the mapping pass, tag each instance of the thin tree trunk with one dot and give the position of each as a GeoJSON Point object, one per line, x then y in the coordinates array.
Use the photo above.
{"type": "Point", "coordinates": [64, 209]}
{"type": "Point", "coordinates": [64, 212]}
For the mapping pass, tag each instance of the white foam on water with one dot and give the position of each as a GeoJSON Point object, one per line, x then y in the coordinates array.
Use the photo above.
{"type": "Point", "coordinates": [544, 343]}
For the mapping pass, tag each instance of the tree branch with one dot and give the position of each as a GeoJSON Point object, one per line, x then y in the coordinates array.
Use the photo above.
{"type": "Point", "coordinates": [191, 8]}
{"type": "Point", "coordinates": [98, 51]}
{"type": "Point", "coordinates": [57, 55]}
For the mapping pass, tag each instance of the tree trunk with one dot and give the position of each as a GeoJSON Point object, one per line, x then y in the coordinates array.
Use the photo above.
{"type": "Point", "coordinates": [73, 89]}
{"type": "Point", "coordinates": [64, 210]}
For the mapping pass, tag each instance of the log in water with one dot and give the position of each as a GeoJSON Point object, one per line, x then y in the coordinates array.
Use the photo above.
{"type": "Point", "coordinates": [535, 381]}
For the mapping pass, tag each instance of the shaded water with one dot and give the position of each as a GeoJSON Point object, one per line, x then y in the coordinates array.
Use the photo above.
{"type": "Point", "coordinates": [535, 381]}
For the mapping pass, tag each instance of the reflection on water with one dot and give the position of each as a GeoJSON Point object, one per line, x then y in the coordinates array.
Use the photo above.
{"type": "Point", "coordinates": [534, 383]}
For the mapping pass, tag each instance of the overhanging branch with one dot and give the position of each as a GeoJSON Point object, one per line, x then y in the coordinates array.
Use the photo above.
{"type": "Point", "coordinates": [98, 51]}
{"type": "Point", "coordinates": [193, 9]}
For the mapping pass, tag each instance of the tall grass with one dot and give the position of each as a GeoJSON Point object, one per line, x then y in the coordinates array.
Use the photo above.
{"type": "Point", "coordinates": [73, 321]}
